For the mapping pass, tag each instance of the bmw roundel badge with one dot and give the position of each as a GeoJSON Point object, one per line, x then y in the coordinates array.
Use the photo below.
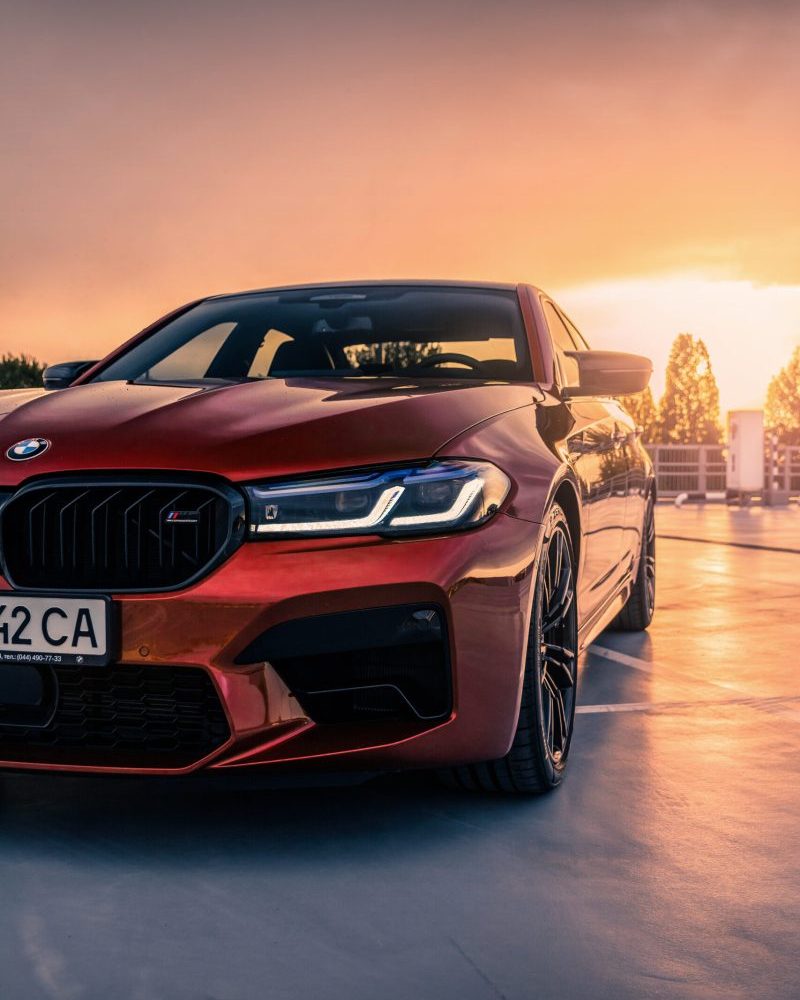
{"type": "Point", "coordinates": [29, 448]}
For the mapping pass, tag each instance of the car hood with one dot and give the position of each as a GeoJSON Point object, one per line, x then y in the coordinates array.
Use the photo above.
{"type": "Point", "coordinates": [274, 427]}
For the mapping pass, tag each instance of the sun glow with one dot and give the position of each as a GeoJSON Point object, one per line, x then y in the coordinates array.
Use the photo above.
{"type": "Point", "coordinates": [601, 151]}
{"type": "Point", "coordinates": [750, 330]}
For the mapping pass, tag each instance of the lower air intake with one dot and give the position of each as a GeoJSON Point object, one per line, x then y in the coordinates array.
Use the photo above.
{"type": "Point", "coordinates": [376, 665]}
{"type": "Point", "coordinates": [122, 716]}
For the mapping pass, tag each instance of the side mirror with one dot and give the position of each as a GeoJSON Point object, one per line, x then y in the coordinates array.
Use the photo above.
{"type": "Point", "coordinates": [609, 373]}
{"type": "Point", "coordinates": [63, 375]}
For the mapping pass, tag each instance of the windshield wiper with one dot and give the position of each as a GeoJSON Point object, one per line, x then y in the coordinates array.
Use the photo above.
{"type": "Point", "coordinates": [191, 383]}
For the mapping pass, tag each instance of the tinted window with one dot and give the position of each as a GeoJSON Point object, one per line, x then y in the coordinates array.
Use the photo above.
{"type": "Point", "coordinates": [577, 336]}
{"type": "Point", "coordinates": [562, 341]}
{"type": "Point", "coordinates": [373, 331]}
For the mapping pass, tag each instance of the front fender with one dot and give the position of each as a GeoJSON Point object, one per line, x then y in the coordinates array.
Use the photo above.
{"type": "Point", "coordinates": [513, 443]}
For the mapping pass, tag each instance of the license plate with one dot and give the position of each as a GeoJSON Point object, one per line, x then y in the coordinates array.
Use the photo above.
{"type": "Point", "coordinates": [56, 630]}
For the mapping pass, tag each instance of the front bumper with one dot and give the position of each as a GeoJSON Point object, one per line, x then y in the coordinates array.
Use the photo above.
{"type": "Point", "coordinates": [480, 580]}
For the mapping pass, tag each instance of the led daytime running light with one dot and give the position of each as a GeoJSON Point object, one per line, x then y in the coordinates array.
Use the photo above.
{"type": "Point", "coordinates": [386, 502]}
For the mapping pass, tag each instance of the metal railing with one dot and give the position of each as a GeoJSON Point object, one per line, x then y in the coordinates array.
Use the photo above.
{"type": "Point", "coordinates": [782, 468]}
{"type": "Point", "coordinates": [701, 468]}
{"type": "Point", "coordinates": [688, 468]}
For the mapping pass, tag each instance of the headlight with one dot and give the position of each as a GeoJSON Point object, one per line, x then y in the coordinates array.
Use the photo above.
{"type": "Point", "coordinates": [441, 496]}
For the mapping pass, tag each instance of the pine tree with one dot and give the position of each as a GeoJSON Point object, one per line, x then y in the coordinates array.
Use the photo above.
{"type": "Point", "coordinates": [643, 409]}
{"type": "Point", "coordinates": [783, 402]}
{"type": "Point", "coordinates": [20, 372]}
{"type": "Point", "coordinates": [689, 408]}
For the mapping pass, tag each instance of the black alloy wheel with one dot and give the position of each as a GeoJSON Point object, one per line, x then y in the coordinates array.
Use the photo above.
{"type": "Point", "coordinates": [640, 607]}
{"type": "Point", "coordinates": [649, 556]}
{"type": "Point", "coordinates": [558, 648]}
{"type": "Point", "coordinates": [538, 756]}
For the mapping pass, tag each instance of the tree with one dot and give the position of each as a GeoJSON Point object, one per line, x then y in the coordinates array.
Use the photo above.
{"type": "Point", "coordinates": [642, 408]}
{"type": "Point", "coordinates": [783, 402]}
{"type": "Point", "coordinates": [689, 408]}
{"type": "Point", "coordinates": [20, 372]}
{"type": "Point", "coordinates": [391, 354]}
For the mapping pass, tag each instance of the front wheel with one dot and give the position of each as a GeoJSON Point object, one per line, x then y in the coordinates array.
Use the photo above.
{"type": "Point", "coordinates": [538, 756]}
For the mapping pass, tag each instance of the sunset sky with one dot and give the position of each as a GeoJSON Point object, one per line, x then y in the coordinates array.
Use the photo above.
{"type": "Point", "coordinates": [640, 161]}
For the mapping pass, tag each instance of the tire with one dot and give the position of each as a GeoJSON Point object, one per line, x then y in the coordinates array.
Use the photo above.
{"type": "Point", "coordinates": [638, 611]}
{"type": "Point", "coordinates": [538, 756]}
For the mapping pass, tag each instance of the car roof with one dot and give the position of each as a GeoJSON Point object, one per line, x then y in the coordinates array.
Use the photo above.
{"type": "Point", "coordinates": [392, 282]}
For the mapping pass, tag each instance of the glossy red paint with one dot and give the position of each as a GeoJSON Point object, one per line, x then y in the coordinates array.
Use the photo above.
{"type": "Point", "coordinates": [538, 338]}
{"type": "Point", "coordinates": [274, 428]}
{"type": "Point", "coordinates": [481, 579]}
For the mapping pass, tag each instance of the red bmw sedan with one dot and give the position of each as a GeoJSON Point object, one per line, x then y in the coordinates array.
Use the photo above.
{"type": "Point", "coordinates": [356, 526]}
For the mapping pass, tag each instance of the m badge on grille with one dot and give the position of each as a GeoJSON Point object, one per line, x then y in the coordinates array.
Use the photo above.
{"type": "Point", "coordinates": [183, 517]}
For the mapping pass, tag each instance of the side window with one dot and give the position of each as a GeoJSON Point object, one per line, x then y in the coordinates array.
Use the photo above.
{"type": "Point", "coordinates": [562, 341]}
{"type": "Point", "coordinates": [577, 336]}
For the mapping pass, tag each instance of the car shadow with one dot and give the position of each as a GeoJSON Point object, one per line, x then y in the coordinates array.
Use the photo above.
{"type": "Point", "coordinates": [194, 822]}
{"type": "Point", "coordinates": [244, 819]}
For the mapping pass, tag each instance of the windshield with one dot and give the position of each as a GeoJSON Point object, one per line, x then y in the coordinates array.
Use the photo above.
{"type": "Point", "coordinates": [336, 332]}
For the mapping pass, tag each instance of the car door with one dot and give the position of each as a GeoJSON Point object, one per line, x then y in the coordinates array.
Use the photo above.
{"type": "Point", "coordinates": [594, 446]}
{"type": "Point", "coordinates": [628, 473]}
{"type": "Point", "coordinates": [637, 484]}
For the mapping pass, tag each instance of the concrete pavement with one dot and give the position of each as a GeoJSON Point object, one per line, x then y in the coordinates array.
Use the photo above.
{"type": "Point", "coordinates": [665, 867]}
{"type": "Point", "coordinates": [770, 527]}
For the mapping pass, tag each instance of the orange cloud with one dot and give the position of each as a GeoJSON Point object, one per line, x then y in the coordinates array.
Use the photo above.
{"type": "Point", "coordinates": [156, 152]}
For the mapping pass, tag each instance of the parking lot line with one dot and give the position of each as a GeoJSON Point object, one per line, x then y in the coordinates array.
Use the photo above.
{"type": "Point", "coordinates": [666, 706]}
{"type": "Point", "coordinates": [779, 705]}
{"type": "Point", "coordinates": [628, 661]}
{"type": "Point", "coordinates": [734, 545]}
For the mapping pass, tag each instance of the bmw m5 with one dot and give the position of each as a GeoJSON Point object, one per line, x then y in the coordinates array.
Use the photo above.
{"type": "Point", "coordinates": [364, 526]}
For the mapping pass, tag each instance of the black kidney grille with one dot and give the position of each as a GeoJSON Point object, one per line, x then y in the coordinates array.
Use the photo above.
{"type": "Point", "coordinates": [156, 716]}
{"type": "Point", "coordinates": [109, 536]}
